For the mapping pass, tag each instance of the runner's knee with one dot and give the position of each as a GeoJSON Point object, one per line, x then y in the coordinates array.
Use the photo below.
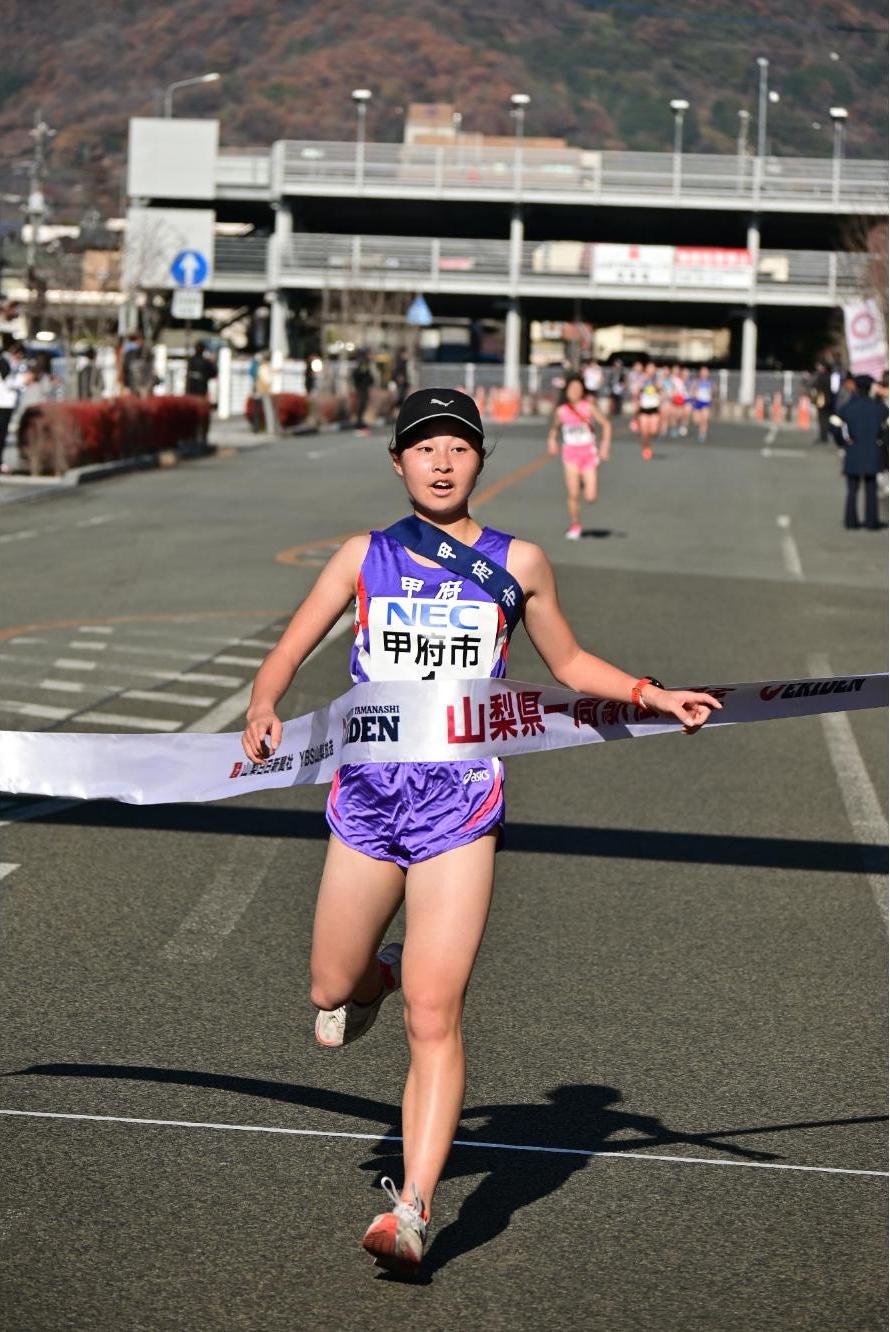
{"type": "Point", "coordinates": [431, 1017]}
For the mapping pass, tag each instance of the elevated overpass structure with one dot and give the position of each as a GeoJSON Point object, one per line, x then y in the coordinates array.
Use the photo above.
{"type": "Point", "coordinates": [516, 226]}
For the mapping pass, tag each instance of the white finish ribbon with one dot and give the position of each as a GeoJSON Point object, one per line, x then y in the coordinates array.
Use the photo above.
{"type": "Point", "coordinates": [388, 721]}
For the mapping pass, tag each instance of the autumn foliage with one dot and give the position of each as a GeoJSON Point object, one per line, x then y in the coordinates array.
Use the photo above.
{"type": "Point", "coordinates": [56, 436]}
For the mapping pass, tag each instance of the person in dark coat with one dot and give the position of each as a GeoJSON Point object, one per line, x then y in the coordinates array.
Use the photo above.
{"type": "Point", "coordinates": [859, 429]}
{"type": "Point", "coordinates": [200, 369]}
{"type": "Point", "coordinates": [822, 397]}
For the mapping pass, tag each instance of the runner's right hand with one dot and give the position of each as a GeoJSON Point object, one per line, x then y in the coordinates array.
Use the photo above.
{"type": "Point", "coordinates": [260, 725]}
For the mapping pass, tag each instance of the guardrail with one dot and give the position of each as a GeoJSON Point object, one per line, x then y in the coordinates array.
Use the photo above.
{"type": "Point", "coordinates": [595, 176]}
{"type": "Point", "coordinates": [546, 267]}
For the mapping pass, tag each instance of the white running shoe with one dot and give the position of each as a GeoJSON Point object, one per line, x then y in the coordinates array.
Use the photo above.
{"type": "Point", "coordinates": [395, 1239]}
{"type": "Point", "coordinates": [574, 532]}
{"type": "Point", "coordinates": [339, 1026]}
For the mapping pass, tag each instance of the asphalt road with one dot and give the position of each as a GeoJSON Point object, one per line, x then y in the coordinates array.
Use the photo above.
{"type": "Point", "coordinates": [684, 969]}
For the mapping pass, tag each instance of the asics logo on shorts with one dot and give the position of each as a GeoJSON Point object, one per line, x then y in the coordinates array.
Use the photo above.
{"type": "Point", "coordinates": [476, 775]}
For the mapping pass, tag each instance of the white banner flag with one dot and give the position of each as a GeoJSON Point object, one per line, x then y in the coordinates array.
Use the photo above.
{"type": "Point", "coordinates": [395, 721]}
{"type": "Point", "coordinates": [866, 345]}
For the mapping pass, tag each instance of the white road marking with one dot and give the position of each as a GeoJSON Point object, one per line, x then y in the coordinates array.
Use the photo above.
{"type": "Point", "coordinates": [88, 646]}
{"type": "Point", "coordinates": [6, 868]}
{"type": "Point", "coordinates": [96, 629]}
{"type": "Point", "coordinates": [43, 710]}
{"type": "Point", "coordinates": [158, 696]}
{"type": "Point", "coordinates": [29, 641]}
{"type": "Point", "coordinates": [770, 437]}
{"type": "Point", "coordinates": [158, 652]}
{"type": "Point", "coordinates": [790, 553]}
{"type": "Point", "coordinates": [783, 453]}
{"type": "Point", "coordinates": [218, 910]}
{"type": "Point", "coordinates": [95, 522]}
{"type": "Point", "coordinates": [129, 723]}
{"type": "Point", "coordinates": [857, 790]}
{"type": "Point", "coordinates": [256, 642]}
{"type": "Point", "coordinates": [239, 661]}
{"type": "Point", "coordinates": [234, 707]}
{"type": "Point", "coordinates": [382, 1136]}
{"type": "Point", "coordinates": [17, 536]}
{"type": "Point", "coordinates": [74, 664]}
{"type": "Point", "coordinates": [63, 686]}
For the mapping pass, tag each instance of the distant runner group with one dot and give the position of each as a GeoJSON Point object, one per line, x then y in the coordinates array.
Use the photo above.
{"type": "Point", "coordinates": [665, 403]}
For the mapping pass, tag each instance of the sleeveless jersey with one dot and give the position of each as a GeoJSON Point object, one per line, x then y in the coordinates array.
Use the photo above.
{"type": "Point", "coordinates": [574, 424]}
{"type": "Point", "coordinates": [702, 391]}
{"type": "Point", "coordinates": [416, 622]}
{"type": "Point", "coordinates": [650, 395]}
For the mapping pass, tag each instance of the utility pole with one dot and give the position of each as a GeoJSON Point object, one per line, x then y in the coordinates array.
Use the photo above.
{"type": "Point", "coordinates": [35, 209]}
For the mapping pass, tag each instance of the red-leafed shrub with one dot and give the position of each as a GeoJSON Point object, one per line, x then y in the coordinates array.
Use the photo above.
{"type": "Point", "coordinates": [54, 436]}
{"type": "Point", "coordinates": [291, 409]}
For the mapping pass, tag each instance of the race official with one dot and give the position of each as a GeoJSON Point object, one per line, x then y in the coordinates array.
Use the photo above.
{"type": "Point", "coordinates": [861, 433]}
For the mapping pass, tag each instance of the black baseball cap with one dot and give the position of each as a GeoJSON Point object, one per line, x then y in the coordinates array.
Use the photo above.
{"type": "Point", "coordinates": [430, 404]}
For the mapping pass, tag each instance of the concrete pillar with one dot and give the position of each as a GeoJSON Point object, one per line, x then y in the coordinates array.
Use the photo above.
{"type": "Point", "coordinates": [278, 306]}
{"type": "Point", "coordinates": [513, 328]}
{"type": "Point", "coordinates": [512, 344]}
{"type": "Point", "coordinates": [747, 382]}
{"type": "Point", "coordinates": [224, 383]}
{"type": "Point", "coordinates": [278, 345]}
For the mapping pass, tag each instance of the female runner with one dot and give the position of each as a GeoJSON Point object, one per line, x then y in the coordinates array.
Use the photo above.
{"type": "Point", "coordinates": [422, 834]}
{"type": "Point", "coordinates": [649, 409]}
{"type": "Point", "coordinates": [701, 403]}
{"type": "Point", "coordinates": [572, 429]}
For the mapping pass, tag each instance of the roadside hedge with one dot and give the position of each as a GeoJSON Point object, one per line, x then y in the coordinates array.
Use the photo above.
{"type": "Point", "coordinates": [291, 408]}
{"type": "Point", "coordinates": [55, 436]}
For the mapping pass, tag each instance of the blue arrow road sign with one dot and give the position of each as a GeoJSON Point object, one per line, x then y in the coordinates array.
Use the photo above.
{"type": "Point", "coordinates": [189, 268]}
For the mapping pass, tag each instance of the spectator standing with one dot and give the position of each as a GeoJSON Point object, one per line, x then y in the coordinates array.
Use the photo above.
{"type": "Point", "coordinates": [860, 431]}
{"type": "Point", "coordinates": [362, 382]}
{"type": "Point", "coordinates": [137, 369]}
{"type": "Point", "coordinates": [617, 387]}
{"type": "Point", "coordinates": [262, 415]}
{"type": "Point", "coordinates": [822, 399]}
{"type": "Point", "coordinates": [89, 380]}
{"type": "Point", "coordinates": [11, 374]}
{"type": "Point", "coordinates": [199, 370]}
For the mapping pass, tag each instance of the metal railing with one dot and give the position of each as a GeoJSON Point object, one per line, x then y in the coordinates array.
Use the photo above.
{"type": "Point", "coordinates": [546, 267]}
{"type": "Point", "coordinates": [321, 166]}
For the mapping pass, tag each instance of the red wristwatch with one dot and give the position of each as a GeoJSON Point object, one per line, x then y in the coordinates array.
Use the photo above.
{"type": "Point", "coordinates": [636, 694]}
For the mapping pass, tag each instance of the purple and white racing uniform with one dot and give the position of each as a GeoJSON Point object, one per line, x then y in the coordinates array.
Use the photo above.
{"type": "Point", "coordinates": [416, 622]}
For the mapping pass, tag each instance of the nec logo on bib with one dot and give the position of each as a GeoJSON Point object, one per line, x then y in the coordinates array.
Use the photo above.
{"type": "Point", "coordinates": [425, 638]}
{"type": "Point", "coordinates": [438, 615]}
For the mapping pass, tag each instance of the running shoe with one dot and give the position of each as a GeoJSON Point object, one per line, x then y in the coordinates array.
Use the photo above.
{"type": "Point", "coordinates": [574, 532]}
{"type": "Point", "coordinates": [647, 454]}
{"type": "Point", "coordinates": [340, 1026]}
{"type": "Point", "coordinates": [395, 1239]}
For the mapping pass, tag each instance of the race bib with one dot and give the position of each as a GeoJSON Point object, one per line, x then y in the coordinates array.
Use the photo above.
{"type": "Point", "coordinates": [577, 434]}
{"type": "Point", "coordinates": [417, 638]}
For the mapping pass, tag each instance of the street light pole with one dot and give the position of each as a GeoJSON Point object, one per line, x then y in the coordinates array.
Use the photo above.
{"type": "Point", "coordinates": [679, 106]}
{"type": "Point", "coordinates": [742, 145]}
{"type": "Point", "coordinates": [184, 83]}
{"type": "Point", "coordinates": [838, 117]}
{"type": "Point", "coordinates": [361, 97]}
{"type": "Point", "coordinates": [518, 102]}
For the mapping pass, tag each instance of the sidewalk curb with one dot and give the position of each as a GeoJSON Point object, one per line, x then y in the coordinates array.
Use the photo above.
{"type": "Point", "coordinates": [78, 476]}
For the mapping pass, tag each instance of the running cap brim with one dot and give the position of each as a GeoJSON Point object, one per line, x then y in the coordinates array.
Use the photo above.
{"type": "Point", "coordinates": [430, 404]}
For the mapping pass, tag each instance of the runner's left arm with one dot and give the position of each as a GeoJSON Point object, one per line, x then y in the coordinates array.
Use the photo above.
{"type": "Point", "coordinates": [552, 636]}
{"type": "Point", "coordinates": [605, 426]}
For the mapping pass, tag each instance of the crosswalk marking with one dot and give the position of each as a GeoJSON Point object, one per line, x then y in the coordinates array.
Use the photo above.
{"type": "Point", "coordinates": [96, 629]}
{"type": "Point", "coordinates": [127, 722]}
{"type": "Point", "coordinates": [17, 536]}
{"type": "Point", "coordinates": [28, 641]}
{"type": "Point", "coordinates": [74, 664]}
{"type": "Point", "coordinates": [156, 696]}
{"type": "Point", "coordinates": [256, 642]}
{"type": "Point", "coordinates": [239, 661]}
{"type": "Point", "coordinates": [24, 709]}
{"type": "Point", "coordinates": [88, 646]}
{"type": "Point", "coordinates": [61, 686]}
{"type": "Point", "coordinates": [6, 868]}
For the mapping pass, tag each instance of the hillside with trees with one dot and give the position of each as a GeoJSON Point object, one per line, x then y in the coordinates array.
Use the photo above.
{"type": "Point", "coordinates": [599, 74]}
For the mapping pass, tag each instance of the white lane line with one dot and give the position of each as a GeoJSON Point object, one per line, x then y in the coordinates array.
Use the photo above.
{"type": "Point", "coordinates": [64, 686]}
{"type": "Point", "coordinates": [857, 790]}
{"type": "Point", "coordinates": [43, 710]}
{"type": "Point", "coordinates": [6, 868]}
{"type": "Point", "coordinates": [128, 722]}
{"type": "Point", "coordinates": [256, 642]}
{"type": "Point", "coordinates": [159, 696]}
{"type": "Point", "coordinates": [17, 536]}
{"type": "Point", "coordinates": [28, 641]}
{"type": "Point", "coordinates": [95, 522]}
{"type": "Point", "coordinates": [96, 629]}
{"type": "Point", "coordinates": [458, 1142]}
{"type": "Point", "coordinates": [790, 553]}
{"type": "Point", "coordinates": [239, 661]}
{"type": "Point", "coordinates": [232, 708]}
{"type": "Point", "coordinates": [226, 640]}
{"type": "Point", "coordinates": [216, 913]}
{"type": "Point", "coordinates": [74, 664]}
{"type": "Point", "coordinates": [88, 646]}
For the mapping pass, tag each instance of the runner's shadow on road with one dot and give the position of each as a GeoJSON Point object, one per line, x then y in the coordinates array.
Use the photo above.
{"type": "Point", "coordinates": [601, 533]}
{"type": "Point", "coordinates": [540, 1145]}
